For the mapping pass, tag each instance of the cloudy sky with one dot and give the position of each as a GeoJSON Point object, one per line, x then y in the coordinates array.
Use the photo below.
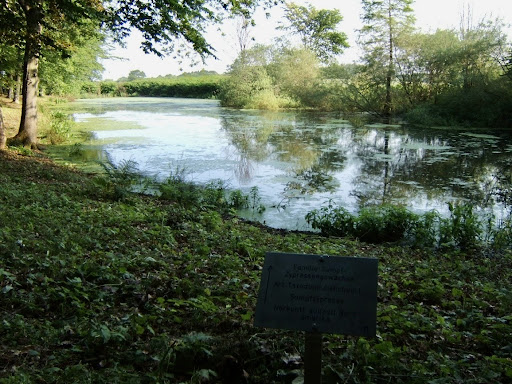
{"type": "Point", "coordinates": [430, 15]}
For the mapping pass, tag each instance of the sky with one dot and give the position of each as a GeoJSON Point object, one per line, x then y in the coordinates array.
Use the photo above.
{"type": "Point", "coordinates": [430, 15]}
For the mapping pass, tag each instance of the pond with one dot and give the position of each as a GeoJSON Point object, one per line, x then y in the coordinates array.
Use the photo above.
{"type": "Point", "coordinates": [299, 161]}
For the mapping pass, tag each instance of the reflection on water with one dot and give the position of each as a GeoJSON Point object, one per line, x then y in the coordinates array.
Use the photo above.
{"type": "Point", "coordinates": [300, 160]}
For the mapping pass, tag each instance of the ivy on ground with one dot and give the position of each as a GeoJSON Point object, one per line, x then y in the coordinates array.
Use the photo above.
{"type": "Point", "coordinates": [112, 288]}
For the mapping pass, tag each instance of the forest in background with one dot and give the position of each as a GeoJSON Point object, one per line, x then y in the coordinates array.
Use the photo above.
{"type": "Point", "coordinates": [446, 77]}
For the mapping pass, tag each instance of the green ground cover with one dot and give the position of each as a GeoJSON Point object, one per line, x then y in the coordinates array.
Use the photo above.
{"type": "Point", "coordinates": [99, 285]}
{"type": "Point", "coordinates": [102, 287]}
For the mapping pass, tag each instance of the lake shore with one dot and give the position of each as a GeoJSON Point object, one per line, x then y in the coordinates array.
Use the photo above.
{"type": "Point", "coordinates": [299, 161]}
{"type": "Point", "coordinates": [145, 290]}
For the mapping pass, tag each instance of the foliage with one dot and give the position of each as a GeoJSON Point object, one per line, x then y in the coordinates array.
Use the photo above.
{"type": "Point", "coordinates": [213, 195]}
{"type": "Point", "coordinates": [332, 220]}
{"type": "Point", "coordinates": [295, 72]}
{"type": "Point", "coordinates": [463, 229]}
{"type": "Point", "coordinates": [385, 223]}
{"type": "Point", "coordinates": [118, 180]}
{"type": "Point", "coordinates": [249, 84]}
{"type": "Point", "coordinates": [63, 74]}
{"type": "Point", "coordinates": [373, 224]}
{"type": "Point", "coordinates": [147, 290]}
{"type": "Point", "coordinates": [201, 87]}
{"type": "Point", "coordinates": [317, 29]}
{"type": "Point", "coordinates": [270, 78]}
{"type": "Point", "coordinates": [59, 129]}
{"type": "Point", "coordinates": [283, 76]}
{"type": "Point", "coordinates": [136, 74]}
{"type": "Point", "coordinates": [385, 23]}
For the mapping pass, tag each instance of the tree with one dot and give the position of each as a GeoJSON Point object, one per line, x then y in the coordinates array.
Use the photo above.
{"type": "Point", "coordinates": [64, 74]}
{"type": "Point", "coordinates": [426, 64]}
{"type": "Point", "coordinates": [136, 74]}
{"type": "Point", "coordinates": [454, 76]}
{"type": "Point", "coordinates": [295, 72]}
{"type": "Point", "coordinates": [249, 80]}
{"type": "Point", "coordinates": [3, 137]}
{"type": "Point", "coordinates": [506, 65]}
{"type": "Point", "coordinates": [10, 70]}
{"type": "Point", "coordinates": [317, 29]}
{"type": "Point", "coordinates": [243, 26]}
{"type": "Point", "coordinates": [385, 22]}
{"type": "Point", "coordinates": [32, 24]}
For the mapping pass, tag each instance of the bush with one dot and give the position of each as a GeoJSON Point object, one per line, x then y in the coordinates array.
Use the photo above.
{"type": "Point", "coordinates": [425, 115]}
{"type": "Point", "coordinates": [385, 223]}
{"type": "Point", "coordinates": [264, 99]}
{"type": "Point", "coordinates": [108, 88]}
{"type": "Point", "coordinates": [462, 229]}
{"type": "Point", "coordinates": [59, 129]}
{"type": "Point", "coordinates": [332, 220]}
{"type": "Point", "coordinates": [119, 180]}
{"type": "Point", "coordinates": [176, 189]}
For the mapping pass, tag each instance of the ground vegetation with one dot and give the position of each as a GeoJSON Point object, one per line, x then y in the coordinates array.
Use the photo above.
{"type": "Point", "coordinates": [102, 283]}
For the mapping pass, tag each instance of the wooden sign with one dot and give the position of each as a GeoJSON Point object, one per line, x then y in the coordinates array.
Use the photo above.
{"type": "Point", "coordinates": [321, 294]}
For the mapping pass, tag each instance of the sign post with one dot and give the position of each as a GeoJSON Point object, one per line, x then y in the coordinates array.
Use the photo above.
{"type": "Point", "coordinates": [313, 358]}
{"type": "Point", "coordinates": [318, 294]}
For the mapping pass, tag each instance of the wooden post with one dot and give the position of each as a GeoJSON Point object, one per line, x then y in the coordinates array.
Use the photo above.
{"type": "Point", "coordinates": [313, 358]}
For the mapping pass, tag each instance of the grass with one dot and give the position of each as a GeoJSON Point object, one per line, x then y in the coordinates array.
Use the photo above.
{"type": "Point", "coordinates": [97, 288]}
{"type": "Point", "coordinates": [11, 114]}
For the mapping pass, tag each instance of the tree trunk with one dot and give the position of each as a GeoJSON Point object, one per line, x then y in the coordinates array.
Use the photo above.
{"type": "Point", "coordinates": [27, 133]}
{"type": "Point", "coordinates": [17, 90]}
{"type": "Point", "coordinates": [3, 136]}
{"type": "Point", "coordinates": [10, 92]}
{"type": "Point", "coordinates": [389, 101]}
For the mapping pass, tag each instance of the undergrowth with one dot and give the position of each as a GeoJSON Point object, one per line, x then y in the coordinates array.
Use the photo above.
{"type": "Point", "coordinates": [104, 287]}
{"type": "Point", "coordinates": [463, 229]}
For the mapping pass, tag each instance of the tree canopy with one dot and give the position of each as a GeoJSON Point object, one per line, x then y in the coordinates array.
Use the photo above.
{"type": "Point", "coordinates": [317, 29]}
{"type": "Point", "coordinates": [385, 22]}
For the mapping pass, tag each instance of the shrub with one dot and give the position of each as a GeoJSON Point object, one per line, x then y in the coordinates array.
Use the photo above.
{"type": "Point", "coordinates": [264, 99]}
{"type": "Point", "coordinates": [108, 88]}
{"type": "Point", "coordinates": [119, 179]}
{"type": "Point", "coordinates": [385, 223]}
{"type": "Point", "coordinates": [238, 200]}
{"type": "Point", "coordinates": [424, 233]}
{"type": "Point", "coordinates": [462, 229]}
{"type": "Point", "coordinates": [332, 220]}
{"type": "Point", "coordinates": [59, 129]}
{"type": "Point", "coordinates": [178, 190]}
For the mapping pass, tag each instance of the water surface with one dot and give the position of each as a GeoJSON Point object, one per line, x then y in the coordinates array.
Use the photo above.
{"type": "Point", "coordinates": [299, 161]}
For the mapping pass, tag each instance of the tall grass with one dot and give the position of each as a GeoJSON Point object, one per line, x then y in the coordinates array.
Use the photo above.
{"type": "Point", "coordinates": [464, 229]}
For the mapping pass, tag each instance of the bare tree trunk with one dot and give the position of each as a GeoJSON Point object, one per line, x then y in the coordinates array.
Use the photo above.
{"type": "Point", "coordinates": [17, 90]}
{"type": "Point", "coordinates": [27, 133]}
{"type": "Point", "coordinates": [3, 136]}
{"type": "Point", "coordinates": [10, 91]}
